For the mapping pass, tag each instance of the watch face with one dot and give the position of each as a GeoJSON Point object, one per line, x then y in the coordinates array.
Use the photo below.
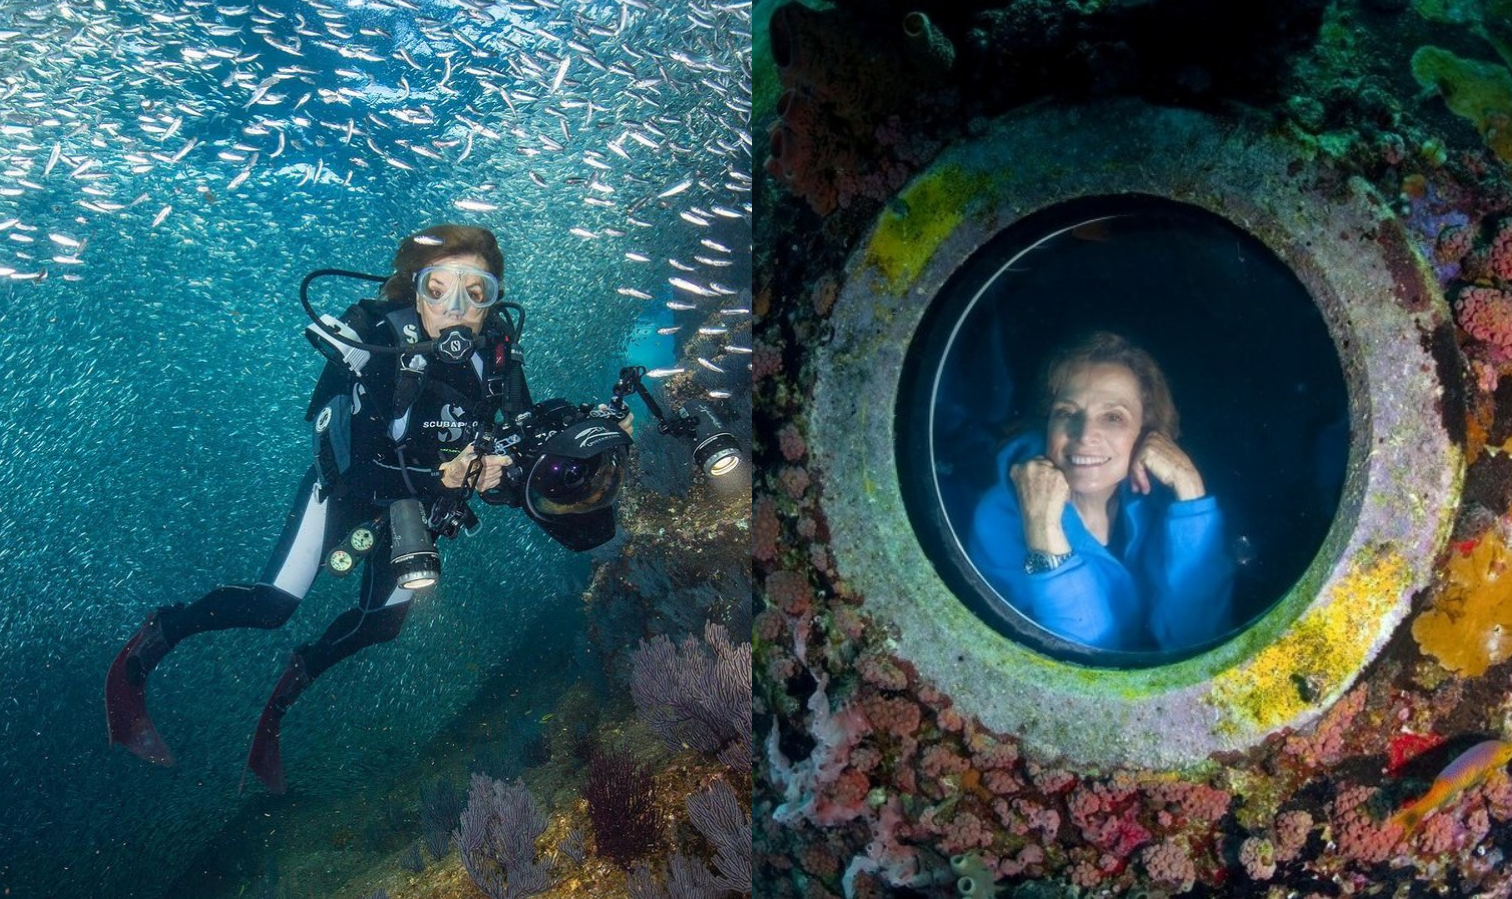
{"type": "Point", "coordinates": [362, 540]}
{"type": "Point", "coordinates": [341, 561]}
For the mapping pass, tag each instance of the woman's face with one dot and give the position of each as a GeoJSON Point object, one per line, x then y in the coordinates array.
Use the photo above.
{"type": "Point", "coordinates": [438, 318]}
{"type": "Point", "coordinates": [1095, 423]}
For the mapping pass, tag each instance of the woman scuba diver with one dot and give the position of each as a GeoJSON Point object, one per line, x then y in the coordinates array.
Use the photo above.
{"type": "Point", "coordinates": [389, 434]}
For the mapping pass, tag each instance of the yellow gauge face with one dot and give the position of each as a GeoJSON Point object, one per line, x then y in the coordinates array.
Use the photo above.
{"type": "Point", "coordinates": [362, 540]}
{"type": "Point", "coordinates": [341, 561]}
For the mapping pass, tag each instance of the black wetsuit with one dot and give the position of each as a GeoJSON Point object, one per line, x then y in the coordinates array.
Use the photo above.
{"type": "Point", "coordinates": [401, 424]}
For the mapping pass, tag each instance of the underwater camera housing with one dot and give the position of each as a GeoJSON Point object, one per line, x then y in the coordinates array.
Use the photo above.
{"type": "Point", "coordinates": [568, 467]}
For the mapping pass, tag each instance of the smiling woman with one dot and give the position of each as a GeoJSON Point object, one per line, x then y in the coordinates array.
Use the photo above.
{"type": "Point", "coordinates": [1099, 527]}
{"type": "Point", "coordinates": [1070, 506]}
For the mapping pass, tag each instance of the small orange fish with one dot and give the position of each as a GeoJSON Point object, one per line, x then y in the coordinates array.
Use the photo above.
{"type": "Point", "coordinates": [1463, 774]}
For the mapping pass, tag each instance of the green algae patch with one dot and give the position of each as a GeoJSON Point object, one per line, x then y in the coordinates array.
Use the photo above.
{"type": "Point", "coordinates": [1320, 653]}
{"type": "Point", "coordinates": [919, 220]}
{"type": "Point", "coordinates": [1478, 91]}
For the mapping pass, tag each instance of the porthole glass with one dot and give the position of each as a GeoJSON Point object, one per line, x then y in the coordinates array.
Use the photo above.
{"type": "Point", "coordinates": [1261, 421]}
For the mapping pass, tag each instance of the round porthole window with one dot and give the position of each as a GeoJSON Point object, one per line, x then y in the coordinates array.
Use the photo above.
{"type": "Point", "coordinates": [1123, 430]}
{"type": "Point", "coordinates": [1316, 386]}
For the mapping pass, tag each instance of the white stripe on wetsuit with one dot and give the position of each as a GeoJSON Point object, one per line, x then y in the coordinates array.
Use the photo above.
{"type": "Point", "coordinates": [302, 562]}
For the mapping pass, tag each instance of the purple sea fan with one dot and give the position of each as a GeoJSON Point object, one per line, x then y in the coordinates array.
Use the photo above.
{"type": "Point", "coordinates": [622, 805]}
{"type": "Point", "coordinates": [686, 878]}
{"type": "Point", "coordinates": [697, 695]}
{"type": "Point", "coordinates": [497, 839]}
{"type": "Point", "coordinates": [717, 814]}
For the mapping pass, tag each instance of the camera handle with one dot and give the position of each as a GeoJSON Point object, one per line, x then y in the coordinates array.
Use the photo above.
{"type": "Point", "coordinates": [631, 381]}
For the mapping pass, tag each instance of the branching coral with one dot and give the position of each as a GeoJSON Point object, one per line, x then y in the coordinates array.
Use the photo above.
{"type": "Point", "coordinates": [716, 813]}
{"type": "Point", "coordinates": [698, 694]}
{"type": "Point", "coordinates": [496, 838]}
{"type": "Point", "coordinates": [621, 798]}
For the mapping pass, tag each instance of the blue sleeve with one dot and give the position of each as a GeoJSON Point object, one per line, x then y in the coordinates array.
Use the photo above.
{"type": "Point", "coordinates": [1075, 601]}
{"type": "Point", "coordinates": [1192, 575]}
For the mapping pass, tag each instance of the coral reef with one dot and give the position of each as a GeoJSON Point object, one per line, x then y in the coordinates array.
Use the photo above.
{"type": "Point", "coordinates": [440, 810]}
{"type": "Point", "coordinates": [870, 778]}
{"type": "Point", "coordinates": [717, 814]}
{"type": "Point", "coordinates": [621, 795]}
{"type": "Point", "coordinates": [697, 694]}
{"type": "Point", "coordinates": [1469, 627]}
{"type": "Point", "coordinates": [496, 838]}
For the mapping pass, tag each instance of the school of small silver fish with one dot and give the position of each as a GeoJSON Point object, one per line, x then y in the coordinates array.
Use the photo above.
{"type": "Point", "coordinates": [615, 130]}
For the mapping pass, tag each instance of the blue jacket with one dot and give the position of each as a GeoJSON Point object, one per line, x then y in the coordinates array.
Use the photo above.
{"type": "Point", "coordinates": [1164, 581]}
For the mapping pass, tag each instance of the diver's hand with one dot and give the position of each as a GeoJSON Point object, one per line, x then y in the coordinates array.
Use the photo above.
{"type": "Point", "coordinates": [454, 473]}
{"type": "Point", "coordinates": [493, 471]}
{"type": "Point", "coordinates": [626, 424]}
{"type": "Point", "coordinates": [1159, 457]}
{"type": "Point", "coordinates": [1042, 494]}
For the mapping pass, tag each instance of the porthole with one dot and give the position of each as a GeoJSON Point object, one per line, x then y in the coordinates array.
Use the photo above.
{"type": "Point", "coordinates": [1228, 353]}
{"type": "Point", "coordinates": [1360, 306]}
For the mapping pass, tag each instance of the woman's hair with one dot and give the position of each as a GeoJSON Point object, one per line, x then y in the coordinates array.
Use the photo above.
{"type": "Point", "coordinates": [1105, 346]}
{"type": "Point", "coordinates": [440, 241]}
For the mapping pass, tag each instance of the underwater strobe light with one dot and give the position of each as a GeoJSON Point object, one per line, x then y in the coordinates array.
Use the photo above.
{"type": "Point", "coordinates": [416, 563]}
{"type": "Point", "coordinates": [715, 449]}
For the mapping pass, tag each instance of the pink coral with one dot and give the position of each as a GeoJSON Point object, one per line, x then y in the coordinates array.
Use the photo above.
{"type": "Point", "coordinates": [1486, 314]}
{"type": "Point", "coordinates": [1045, 820]}
{"type": "Point", "coordinates": [882, 672]}
{"type": "Point", "coordinates": [939, 760]}
{"type": "Point", "coordinates": [1453, 243]}
{"type": "Point", "coordinates": [1051, 780]}
{"type": "Point", "coordinates": [766, 360]}
{"type": "Point", "coordinates": [1359, 835]}
{"type": "Point", "coordinates": [790, 439]}
{"type": "Point", "coordinates": [1170, 865]}
{"type": "Point", "coordinates": [987, 753]}
{"type": "Point", "coordinates": [1086, 875]}
{"type": "Point", "coordinates": [848, 622]}
{"type": "Point", "coordinates": [865, 759]}
{"type": "Point", "coordinates": [1499, 254]}
{"type": "Point", "coordinates": [1325, 745]}
{"type": "Point", "coordinates": [961, 833]}
{"type": "Point", "coordinates": [790, 592]}
{"type": "Point", "coordinates": [1196, 801]}
{"type": "Point", "coordinates": [1291, 830]}
{"type": "Point", "coordinates": [1497, 791]}
{"type": "Point", "coordinates": [819, 558]}
{"type": "Point", "coordinates": [794, 480]}
{"type": "Point", "coordinates": [895, 716]}
{"type": "Point", "coordinates": [1001, 783]}
{"type": "Point", "coordinates": [1258, 856]}
{"type": "Point", "coordinates": [769, 626]}
{"type": "Point", "coordinates": [765, 529]}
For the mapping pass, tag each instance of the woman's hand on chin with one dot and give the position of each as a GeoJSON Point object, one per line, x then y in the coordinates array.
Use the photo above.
{"type": "Point", "coordinates": [1158, 458]}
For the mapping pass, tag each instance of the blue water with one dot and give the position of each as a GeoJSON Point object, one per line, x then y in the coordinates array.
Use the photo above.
{"type": "Point", "coordinates": [155, 376]}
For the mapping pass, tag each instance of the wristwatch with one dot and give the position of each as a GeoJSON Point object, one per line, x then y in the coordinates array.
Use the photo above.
{"type": "Point", "coordinates": [1037, 562]}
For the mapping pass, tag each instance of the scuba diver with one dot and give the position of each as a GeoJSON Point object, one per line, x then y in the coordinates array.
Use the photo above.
{"type": "Point", "coordinates": [422, 404]}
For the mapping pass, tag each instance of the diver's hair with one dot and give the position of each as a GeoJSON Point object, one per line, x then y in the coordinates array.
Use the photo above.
{"type": "Point", "coordinates": [454, 240]}
{"type": "Point", "coordinates": [1107, 347]}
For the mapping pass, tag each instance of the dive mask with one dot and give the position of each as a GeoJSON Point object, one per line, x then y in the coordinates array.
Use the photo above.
{"type": "Point", "coordinates": [457, 289]}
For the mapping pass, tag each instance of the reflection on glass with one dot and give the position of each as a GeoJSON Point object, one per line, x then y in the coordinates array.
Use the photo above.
{"type": "Point", "coordinates": [1264, 430]}
{"type": "Point", "coordinates": [1099, 527]}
